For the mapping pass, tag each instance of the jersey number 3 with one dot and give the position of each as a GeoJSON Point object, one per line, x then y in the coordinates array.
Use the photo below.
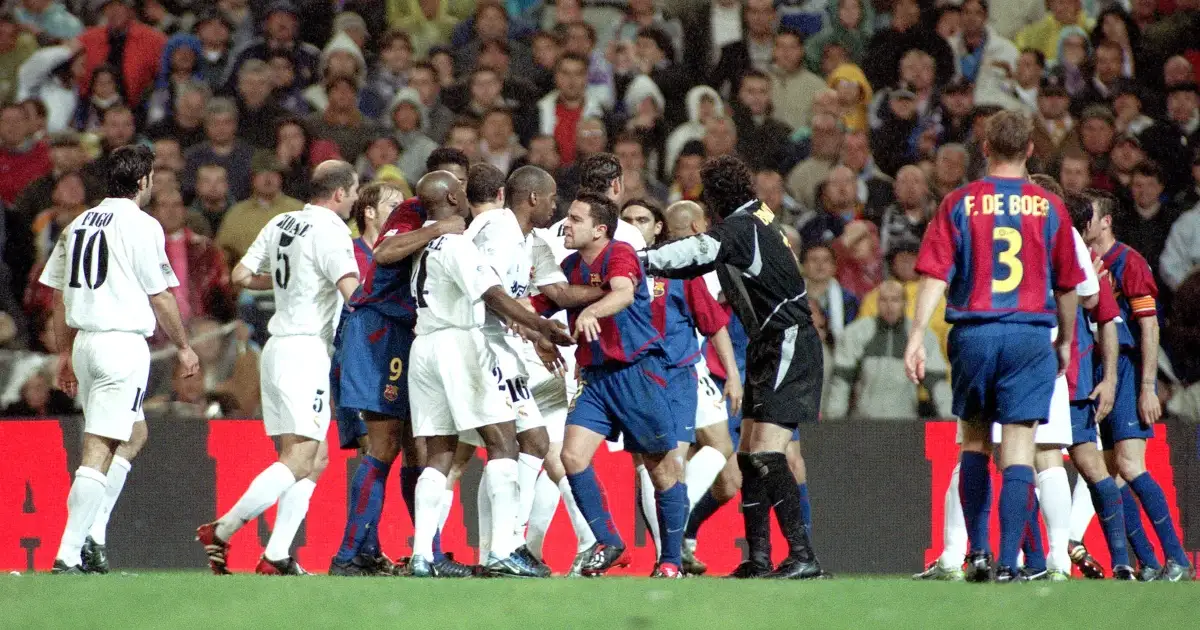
{"type": "Point", "coordinates": [1007, 257]}
{"type": "Point", "coordinates": [89, 259]}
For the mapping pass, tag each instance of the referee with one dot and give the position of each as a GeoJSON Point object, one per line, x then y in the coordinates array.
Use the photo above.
{"type": "Point", "coordinates": [762, 281]}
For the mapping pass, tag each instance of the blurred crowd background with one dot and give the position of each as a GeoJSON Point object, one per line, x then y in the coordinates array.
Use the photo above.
{"type": "Point", "coordinates": [857, 116]}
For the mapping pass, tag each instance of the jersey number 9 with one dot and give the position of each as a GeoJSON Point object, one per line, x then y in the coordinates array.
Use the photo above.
{"type": "Point", "coordinates": [1008, 258]}
{"type": "Point", "coordinates": [395, 369]}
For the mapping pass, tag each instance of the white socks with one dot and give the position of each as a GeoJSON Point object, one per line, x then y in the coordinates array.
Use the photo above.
{"type": "Point", "coordinates": [649, 508]}
{"type": "Point", "coordinates": [293, 506]}
{"type": "Point", "coordinates": [118, 470]}
{"type": "Point", "coordinates": [87, 492]}
{"type": "Point", "coordinates": [483, 505]}
{"type": "Point", "coordinates": [1055, 497]}
{"type": "Point", "coordinates": [1082, 509]}
{"type": "Point", "coordinates": [545, 503]}
{"type": "Point", "coordinates": [528, 468]}
{"type": "Point", "coordinates": [503, 492]}
{"type": "Point", "coordinates": [263, 492]}
{"type": "Point", "coordinates": [954, 527]}
{"type": "Point", "coordinates": [702, 470]}
{"type": "Point", "coordinates": [447, 503]}
{"type": "Point", "coordinates": [584, 538]}
{"type": "Point", "coordinates": [431, 487]}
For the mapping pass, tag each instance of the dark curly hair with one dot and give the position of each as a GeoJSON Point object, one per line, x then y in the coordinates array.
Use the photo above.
{"type": "Point", "coordinates": [727, 184]}
{"type": "Point", "coordinates": [596, 172]}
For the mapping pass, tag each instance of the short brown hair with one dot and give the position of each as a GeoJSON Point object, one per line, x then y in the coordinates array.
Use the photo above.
{"type": "Point", "coordinates": [1045, 181]}
{"type": "Point", "coordinates": [369, 197]}
{"type": "Point", "coordinates": [1008, 135]}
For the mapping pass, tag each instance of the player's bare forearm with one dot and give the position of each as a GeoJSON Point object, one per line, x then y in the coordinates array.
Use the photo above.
{"type": "Point", "coordinates": [617, 299]}
{"type": "Point", "coordinates": [63, 334]}
{"type": "Point", "coordinates": [1110, 348]}
{"type": "Point", "coordinates": [397, 247]}
{"type": "Point", "coordinates": [1068, 306]}
{"type": "Point", "coordinates": [724, 347]}
{"type": "Point", "coordinates": [571, 295]}
{"type": "Point", "coordinates": [167, 312]}
{"type": "Point", "coordinates": [929, 293]}
{"type": "Point", "coordinates": [347, 285]}
{"type": "Point", "coordinates": [499, 302]}
{"type": "Point", "coordinates": [245, 277]}
{"type": "Point", "coordinates": [1149, 326]}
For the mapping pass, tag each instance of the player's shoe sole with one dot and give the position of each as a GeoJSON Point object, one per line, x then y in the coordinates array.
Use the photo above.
{"type": "Point", "coordinates": [216, 549]}
{"type": "Point", "coordinates": [935, 571]}
{"type": "Point", "coordinates": [95, 557]}
{"type": "Point", "coordinates": [602, 558]}
{"type": "Point", "coordinates": [1087, 564]}
{"type": "Point", "coordinates": [61, 568]}
{"type": "Point", "coordinates": [1174, 572]}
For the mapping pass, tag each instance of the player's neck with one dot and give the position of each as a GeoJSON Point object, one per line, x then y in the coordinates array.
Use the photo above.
{"type": "Point", "coordinates": [1103, 243]}
{"type": "Point", "coordinates": [478, 209]}
{"type": "Point", "coordinates": [593, 250]}
{"type": "Point", "coordinates": [369, 236]}
{"type": "Point", "coordinates": [1008, 170]}
{"type": "Point", "coordinates": [524, 219]}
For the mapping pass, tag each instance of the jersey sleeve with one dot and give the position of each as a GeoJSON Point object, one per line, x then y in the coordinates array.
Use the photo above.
{"type": "Point", "coordinates": [402, 220]}
{"type": "Point", "coordinates": [1137, 283]}
{"type": "Point", "coordinates": [335, 257]}
{"type": "Point", "coordinates": [1106, 308]}
{"type": "Point", "coordinates": [1064, 264]}
{"type": "Point", "coordinates": [151, 266]}
{"type": "Point", "coordinates": [545, 270]}
{"type": "Point", "coordinates": [623, 262]}
{"type": "Point", "coordinates": [257, 256]}
{"type": "Point", "coordinates": [56, 265]}
{"type": "Point", "coordinates": [710, 317]}
{"type": "Point", "coordinates": [470, 270]}
{"type": "Point", "coordinates": [1090, 285]}
{"type": "Point", "coordinates": [734, 242]}
{"type": "Point", "coordinates": [936, 256]}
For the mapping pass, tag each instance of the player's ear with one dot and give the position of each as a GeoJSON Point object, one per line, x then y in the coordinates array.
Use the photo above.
{"type": "Point", "coordinates": [1029, 150]}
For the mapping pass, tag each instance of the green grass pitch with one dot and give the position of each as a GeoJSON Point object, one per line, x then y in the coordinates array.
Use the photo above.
{"type": "Point", "coordinates": [197, 600]}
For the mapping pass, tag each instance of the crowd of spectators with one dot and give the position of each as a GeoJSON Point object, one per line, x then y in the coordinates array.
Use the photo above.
{"type": "Point", "coordinates": [856, 115]}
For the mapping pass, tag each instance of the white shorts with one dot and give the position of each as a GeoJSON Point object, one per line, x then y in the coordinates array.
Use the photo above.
{"type": "Point", "coordinates": [710, 408]}
{"type": "Point", "coordinates": [452, 384]}
{"type": "Point", "coordinates": [295, 386]}
{"type": "Point", "coordinates": [112, 368]}
{"type": "Point", "coordinates": [550, 395]}
{"type": "Point", "coordinates": [1056, 431]}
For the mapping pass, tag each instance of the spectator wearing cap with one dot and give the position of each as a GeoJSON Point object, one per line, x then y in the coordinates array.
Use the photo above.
{"type": "Point", "coordinates": [1146, 224]}
{"type": "Point", "coordinates": [49, 21]}
{"type": "Point", "coordinates": [1101, 87]}
{"type": "Point", "coordinates": [753, 51]}
{"type": "Point", "coordinates": [390, 74]}
{"type": "Point", "coordinates": [849, 26]}
{"type": "Point", "coordinates": [216, 40]}
{"type": "Point", "coordinates": [186, 121]}
{"type": "Point", "coordinates": [280, 33]}
{"type": "Point", "coordinates": [891, 140]}
{"type": "Point", "coordinates": [763, 139]}
{"type": "Point", "coordinates": [221, 146]}
{"type": "Point", "coordinates": [244, 221]}
{"type": "Point", "coordinates": [981, 55]}
{"type": "Point", "coordinates": [341, 57]}
{"type": "Point", "coordinates": [703, 103]}
{"type": "Point", "coordinates": [560, 111]}
{"type": "Point", "coordinates": [906, 32]}
{"type": "Point", "coordinates": [827, 137]}
{"type": "Point", "coordinates": [1126, 154]}
{"type": "Point", "coordinates": [491, 23]}
{"type": "Point", "coordinates": [1044, 34]}
{"type": "Point", "coordinates": [406, 116]}
{"type": "Point", "coordinates": [204, 289]}
{"type": "Point", "coordinates": [1127, 105]}
{"type": "Point", "coordinates": [180, 64]}
{"type": "Point", "coordinates": [1170, 142]}
{"type": "Point", "coordinates": [1053, 126]}
{"type": "Point", "coordinates": [793, 86]}
{"type": "Point", "coordinates": [133, 48]}
{"type": "Point", "coordinates": [211, 202]}
{"type": "Point", "coordinates": [341, 121]}
{"type": "Point", "coordinates": [1181, 254]}
{"type": "Point", "coordinates": [15, 48]}
{"type": "Point", "coordinates": [685, 182]}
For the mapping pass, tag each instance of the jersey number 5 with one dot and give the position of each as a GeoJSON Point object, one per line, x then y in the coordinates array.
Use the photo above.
{"type": "Point", "coordinates": [283, 264]}
{"type": "Point", "coordinates": [1007, 257]}
{"type": "Point", "coordinates": [92, 258]}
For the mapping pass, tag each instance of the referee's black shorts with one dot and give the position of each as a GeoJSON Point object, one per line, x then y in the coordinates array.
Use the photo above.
{"type": "Point", "coordinates": [783, 377]}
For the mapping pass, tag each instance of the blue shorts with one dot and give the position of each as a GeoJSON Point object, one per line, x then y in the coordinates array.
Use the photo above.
{"type": "Point", "coordinates": [682, 385]}
{"type": "Point", "coordinates": [1002, 372]}
{"type": "Point", "coordinates": [350, 425]}
{"type": "Point", "coordinates": [1083, 422]}
{"type": "Point", "coordinates": [374, 357]}
{"type": "Point", "coordinates": [1123, 422]}
{"type": "Point", "coordinates": [630, 400]}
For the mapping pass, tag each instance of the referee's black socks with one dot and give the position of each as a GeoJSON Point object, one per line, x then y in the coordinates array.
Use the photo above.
{"type": "Point", "coordinates": [768, 482]}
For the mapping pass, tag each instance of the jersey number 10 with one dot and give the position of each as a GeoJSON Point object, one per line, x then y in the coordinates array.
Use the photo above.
{"type": "Point", "coordinates": [89, 260]}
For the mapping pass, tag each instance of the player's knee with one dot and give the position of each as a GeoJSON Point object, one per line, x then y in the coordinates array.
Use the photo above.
{"type": "Point", "coordinates": [553, 466]}
{"type": "Point", "coordinates": [727, 485]}
{"type": "Point", "coordinates": [574, 461]}
{"type": "Point", "coordinates": [534, 442]}
{"type": "Point", "coordinates": [1090, 465]}
{"type": "Point", "coordinates": [130, 448]}
{"type": "Point", "coordinates": [716, 437]}
{"type": "Point", "coordinates": [1130, 466]}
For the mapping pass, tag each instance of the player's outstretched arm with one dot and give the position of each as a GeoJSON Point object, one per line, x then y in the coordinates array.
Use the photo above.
{"type": "Point", "coordinates": [525, 320]}
{"type": "Point", "coordinates": [397, 247]}
{"type": "Point", "coordinates": [929, 293]}
{"type": "Point", "coordinates": [167, 312]}
{"type": "Point", "coordinates": [618, 298]}
{"type": "Point", "coordinates": [683, 258]}
{"type": "Point", "coordinates": [571, 295]}
{"type": "Point", "coordinates": [245, 277]}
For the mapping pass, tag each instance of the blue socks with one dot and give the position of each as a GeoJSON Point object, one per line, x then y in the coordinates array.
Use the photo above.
{"type": "Point", "coordinates": [975, 491]}
{"type": "Point", "coordinates": [408, 489]}
{"type": "Point", "coordinates": [805, 509]}
{"type": "Point", "coordinates": [672, 508]}
{"type": "Point", "coordinates": [1031, 542]}
{"type": "Point", "coordinates": [704, 509]}
{"type": "Point", "coordinates": [1107, 499]}
{"type": "Point", "coordinates": [589, 496]}
{"type": "Point", "coordinates": [1133, 530]}
{"type": "Point", "coordinates": [1016, 504]}
{"type": "Point", "coordinates": [1155, 505]}
{"type": "Point", "coordinates": [365, 507]}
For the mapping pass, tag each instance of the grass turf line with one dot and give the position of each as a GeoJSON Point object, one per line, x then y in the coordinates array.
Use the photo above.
{"type": "Point", "coordinates": [195, 600]}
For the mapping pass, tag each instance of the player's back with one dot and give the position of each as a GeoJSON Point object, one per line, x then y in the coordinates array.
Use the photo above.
{"type": "Point", "coordinates": [448, 285]}
{"type": "Point", "coordinates": [504, 247]}
{"type": "Point", "coordinates": [306, 252]}
{"type": "Point", "coordinates": [107, 262]}
{"type": "Point", "coordinates": [775, 292]}
{"type": "Point", "coordinates": [1003, 245]}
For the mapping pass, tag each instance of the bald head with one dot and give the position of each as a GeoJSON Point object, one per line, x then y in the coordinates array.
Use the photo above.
{"type": "Point", "coordinates": [684, 219]}
{"type": "Point", "coordinates": [335, 186]}
{"type": "Point", "coordinates": [441, 194]}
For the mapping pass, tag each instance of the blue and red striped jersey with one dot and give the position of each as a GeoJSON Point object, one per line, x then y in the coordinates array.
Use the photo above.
{"type": "Point", "coordinates": [363, 256]}
{"type": "Point", "coordinates": [737, 335]}
{"type": "Point", "coordinates": [386, 288]}
{"type": "Point", "coordinates": [679, 308]}
{"type": "Point", "coordinates": [1003, 246]}
{"type": "Point", "coordinates": [629, 334]}
{"type": "Point", "coordinates": [1133, 287]}
{"type": "Point", "coordinates": [1081, 377]}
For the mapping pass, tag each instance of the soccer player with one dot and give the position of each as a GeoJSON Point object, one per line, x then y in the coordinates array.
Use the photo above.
{"type": "Point", "coordinates": [685, 311]}
{"type": "Point", "coordinates": [376, 340]}
{"type": "Point", "coordinates": [760, 278]}
{"type": "Point", "coordinates": [307, 258]}
{"type": "Point", "coordinates": [1004, 248]}
{"type": "Point", "coordinates": [111, 282]}
{"type": "Point", "coordinates": [1136, 407]}
{"type": "Point", "coordinates": [622, 384]}
{"type": "Point", "coordinates": [464, 389]}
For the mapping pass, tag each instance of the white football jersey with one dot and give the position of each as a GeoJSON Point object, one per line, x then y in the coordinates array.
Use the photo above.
{"type": "Point", "coordinates": [505, 248]}
{"type": "Point", "coordinates": [448, 284]}
{"type": "Point", "coordinates": [306, 252]}
{"type": "Point", "coordinates": [107, 262]}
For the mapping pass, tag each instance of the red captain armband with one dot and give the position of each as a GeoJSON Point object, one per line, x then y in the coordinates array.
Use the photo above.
{"type": "Point", "coordinates": [1144, 306]}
